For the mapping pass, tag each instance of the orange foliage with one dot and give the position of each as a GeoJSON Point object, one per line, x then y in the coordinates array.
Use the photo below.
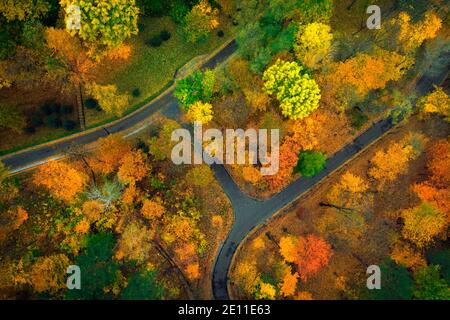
{"type": "Point", "coordinates": [289, 284]}
{"type": "Point", "coordinates": [133, 168]}
{"type": "Point", "coordinates": [304, 295]}
{"type": "Point", "coordinates": [92, 209]}
{"type": "Point", "coordinates": [309, 253]}
{"type": "Point", "coordinates": [193, 271]}
{"type": "Point", "coordinates": [61, 180]}
{"type": "Point", "coordinates": [438, 163]}
{"type": "Point", "coordinates": [152, 210]}
{"type": "Point", "coordinates": [82, 227]}
{"type": "Point", "coordinates": [122, 52]}
{"type": "Point", "coordinates": [251, 174]}
{"type": "Point", "coordinates": [109, 154]}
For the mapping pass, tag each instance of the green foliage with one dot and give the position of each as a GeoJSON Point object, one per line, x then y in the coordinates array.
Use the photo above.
{"type": "Point", "coordinates": [315, 11]}
{"type": "Point", "coordinates": [143, 286]}
{"type": "Point", "coordinates": [99, 270]}
{"type": "Point", "coordinates": [297, 92]}
{"type": "Point", "coordinates": [428, 284]}
{"type": "Point", "coordinates": [11, 118]}
{"type": "Point", "coordinates": [53, 121]}
{"type": "Point", "coordinates": [357, 118]}
{"type": "Point", "coordinates": [105, 23]}
{"type": "Point", "coordinates": [69, 125]}
{"type": "Point", "coordinates": [197, 87]}
{"type": "Point", "coordinates": [442, 258]}
{"type": "Point", "coordinates": [396, 283]}
{"type": "Point", "coordinates": [4, 173]}
{"type": "Point", "coordinates": [310, 163]}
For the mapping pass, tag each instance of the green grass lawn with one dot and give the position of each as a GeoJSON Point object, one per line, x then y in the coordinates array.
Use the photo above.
{"type": "Point", "coordinates": [151, 68]}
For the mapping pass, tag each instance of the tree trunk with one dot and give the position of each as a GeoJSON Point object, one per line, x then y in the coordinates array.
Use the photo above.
{"type": "Point", "coordinates": [80, 106]}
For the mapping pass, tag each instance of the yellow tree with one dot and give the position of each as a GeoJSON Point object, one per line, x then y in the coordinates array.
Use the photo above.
{"type": "Point", "coordinates": [152, 210]}
{"type": "Point", "coordinates": [200, 112]}
{"type": "Point", "coordinates": [437, 102]}
{"type": "Point", "coordinates": [422, 224]}
{"type": "Point", "coordinates": [412, 35]}
{"type": "Point", "coordinates": [109, 99]}
{"type": "Point", "coordinates": [61, 179]}
{"type": "Point", "coordinates": [313, 44]}
{"type": "Point", "coordinates": [388, 165]}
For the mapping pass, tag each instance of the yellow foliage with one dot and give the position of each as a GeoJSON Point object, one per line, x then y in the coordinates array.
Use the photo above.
{"type": "Point", "coordinates": [49, 273]}
{"type": "Point", "coordinates": [304, 295]}
{"type": "Point", "coordinates": [313, 43]}
{"type": "Point", "coordinates": [251, 174]}
{"type": "Point", "coordinates": [200, 112]}
{"type": "Point", "coordinates": [288, 248]}
{"type": "Point", "coordinates": [436, 102]}
{"type": "Point", "coordinates": [405, 254]}
{"type": "Point", "coordinates": [93, 209]}
{"type": "Point", "coordinates": [109, 98]}
{"type": "Point", "coordinates": [133, 168]}
{"type": "Point", "coordinates": [266, 291]}
{"type": "Point", "coordinates": [217, 221]}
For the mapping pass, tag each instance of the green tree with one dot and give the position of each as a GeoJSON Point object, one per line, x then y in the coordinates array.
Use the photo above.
{"type": "Point", "coordinates": [442, 258]}
{"type": "Point", "coordinates": [297, 92]}
{"type": "Point", "coordinates": [200, 21]}
{"type": "Point", "coordinates": [99, 271]}
{"type": "Point", "coordinates": [428, 284]}
{"type": "Point", "coordinates": [143, 286]}
{"type": "Point", "coordinates": [197, 87]}
{"type": "Point", "coordinates": [396, 283]}
{"type": "Point", "coordinates": [11, 118]}
{"type": "Point", "coordinates": [310, 163]}
{"type": "Point", "coordinates": [104, 23]}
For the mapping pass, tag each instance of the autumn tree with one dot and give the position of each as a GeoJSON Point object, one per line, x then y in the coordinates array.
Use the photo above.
{"type": "Point", "coordinates": [422, 224]}
{"type": "Point", "coordinates": [61, 179]}
{"type": "Point", "coordinates": [200, 21]}
{"type": "Point", "coordinates": [108, 155]}
{"type": "Point", "coordinates": [200, 176]}
{"type": "Point", "coordinates": [437, 102]}
{"type": "Point", "coordinates": [309, 253]}
{"type": "Point", "coordinates": [350, 81]}
{"type": "Point", "coordinates": [200, 112]}
{"type": "Point", "coordinates": [134, 243]}
{"type": "Point", "coordinates": [133, 167]}
{"type": "Point", "coordinates": [75, 66]}
{"type": "Point", "coordinates": [23, 9]}
{"type": "Point", "coordinates": [313, 44]}
{"type": "Point", "coordinates": [246, 276]}
{"type": "Point", "coordinates": [104, 24]}
{"type": "Point", "coordinates": [405, 254]}
{"type": "Point", "coordinates": [289, 285]}
{"type": "Point", "coordinates": [387, 165]}
{"type": "Point", "coordinates": [152, 210]}
{"type": "Point", "coordinates": [48, 274]}
{"type": "Point", "coordinates": [109, 99]}
{"type": "Point", "coordinates": [412, 35]}
{"type": "Point", "coordinates": [297, 92]}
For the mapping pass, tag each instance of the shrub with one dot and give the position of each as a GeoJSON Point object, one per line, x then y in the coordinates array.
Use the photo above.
{"type": "Point", "coordinates": [36, 121]}
{"type": "Point", "coordinates": [91, 103]}
{"type": "Point", "coordinates": [55, 108]}
{"type": "Point", "coordinates": [155, 41]}
{"type": "Point", "coordinates": [165, 35]}
{"type": "Point", "coordinates": [310, 163]}
{"type": "Point", "coordinates": [220, 33]}
{"type": "Point", "coordinates": [178, 11]}
{"type": "Point", "coordinates": [357, 118]}
{"type": "Point", "coordinates": [69, 125]}
{"type": "Point", "coordinates": [45, 109]}
{"type": "Point", "coordinates": [53, 122]}
{"type": "Point", "coordinates": [29, 130]}
{"type": "Point", "coordinates": [136, 92]}
{"type": "Point", "coordinates": [66, 109]}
